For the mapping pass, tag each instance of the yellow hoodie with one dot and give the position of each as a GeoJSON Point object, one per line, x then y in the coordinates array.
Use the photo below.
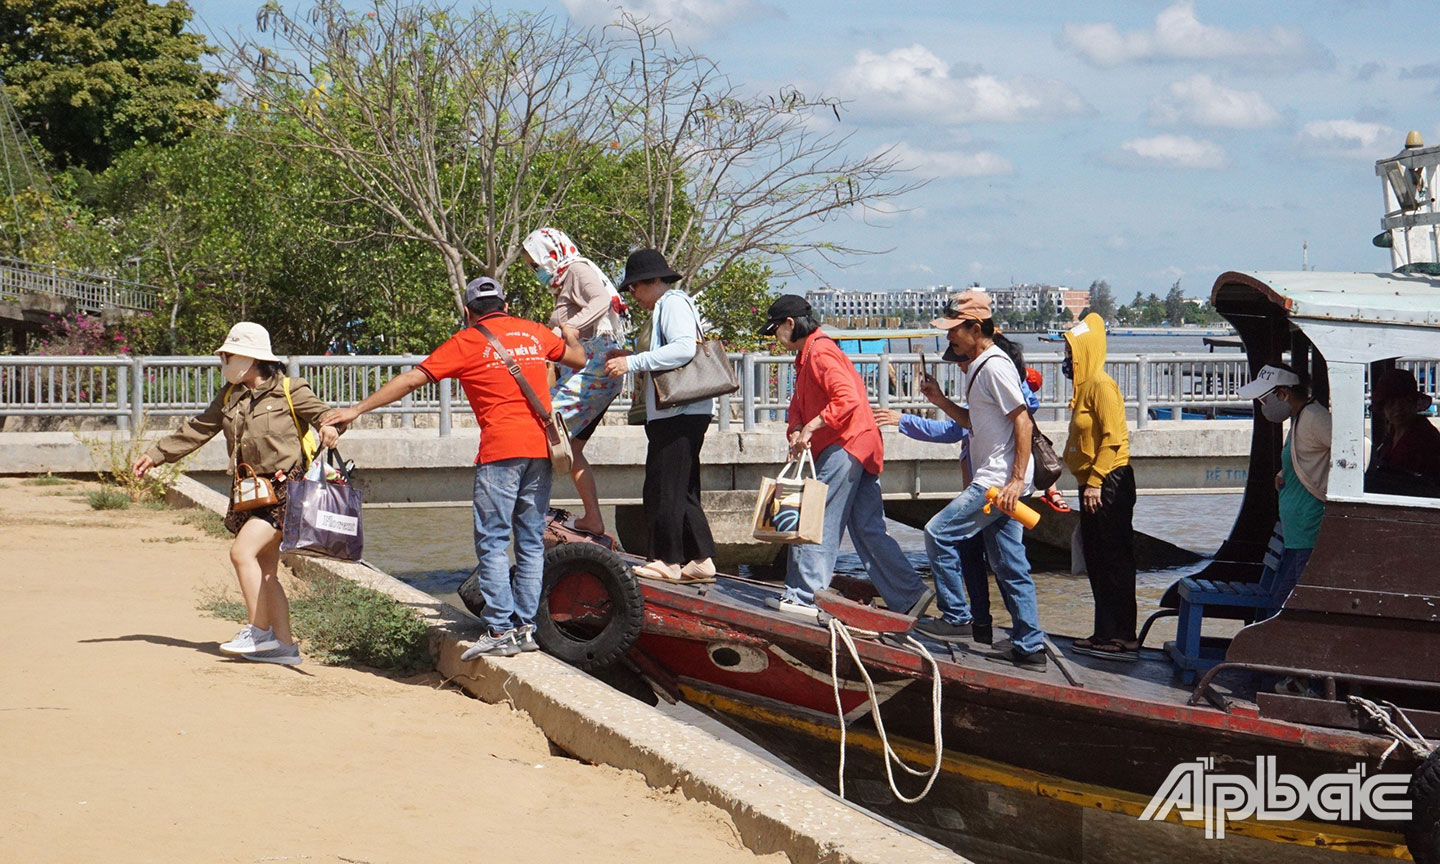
{"type": "Point", "coordinates": [1099, 441]}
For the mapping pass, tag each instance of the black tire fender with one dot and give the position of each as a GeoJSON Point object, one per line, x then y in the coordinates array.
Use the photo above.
{"type": "Point", "coordinates": [1422, 832]}
{"type": "Point", "coordinates": [627, 606]}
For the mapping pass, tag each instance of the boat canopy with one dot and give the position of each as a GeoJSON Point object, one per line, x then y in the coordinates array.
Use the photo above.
{"type": "Point", "coordinates": [1349, 317]}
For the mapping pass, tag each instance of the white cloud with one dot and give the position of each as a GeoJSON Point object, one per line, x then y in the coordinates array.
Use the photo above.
{"type": "Point", "coordinates": [1117, 243]}
{"type": "Point", "coordinates": [689, 20]}
{"type": "Point", "coordinates": [1348, 139]}
{"type": "Point", "coordinates": [1179, 151]}
{"type": "Point", "coordinates": [928, 164]}
{"type": "Point", "coordinates": [1200, 101]}
{"type": "Point", "coordinates": [914, 84]}
{"type": "Point", "coordinates": [1179, 35]}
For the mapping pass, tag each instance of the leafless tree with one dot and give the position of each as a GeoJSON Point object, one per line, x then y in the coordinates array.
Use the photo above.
{"type": "Point", "coordinates": [465, 129]}
{"type": "Point", "coordinates": [732, 174]}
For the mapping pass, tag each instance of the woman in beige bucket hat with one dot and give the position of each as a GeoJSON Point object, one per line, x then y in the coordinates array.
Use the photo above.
{"type": "Point", "coordinates": [262, 430]}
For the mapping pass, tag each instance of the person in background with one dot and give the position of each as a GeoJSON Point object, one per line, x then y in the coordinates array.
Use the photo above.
{"type": "Point", "coordinates": [830, 415]}
{"type": "Point", "coordinates": [512, 468]}
{"type": "Point", "coordinates": [1033, 382]}
{"type": "Point", "coordinates": [261, 412]}
{"type": "Point", "coordinates": [1407, 460]}
{"type": "Point", "coordinates": [1304, 466]}
{"type": "Point", "coordinates": [1000, 429]}
{"type": "Point", "coordinates": [974, 569]}
{"type": "Point", "coordinates": [681, 547]}
{"type": "Point", "coordinates": [1097, 452]}
{"type": "Point", "coordinates": [585, 300]}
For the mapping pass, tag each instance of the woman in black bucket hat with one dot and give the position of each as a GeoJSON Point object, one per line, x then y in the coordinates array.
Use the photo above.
{"type": "Point", "coordinates": [681, 547]}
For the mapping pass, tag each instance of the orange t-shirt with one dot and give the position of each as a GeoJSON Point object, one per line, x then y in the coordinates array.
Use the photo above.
{"type": "Point", "coordinates": [509, 428]}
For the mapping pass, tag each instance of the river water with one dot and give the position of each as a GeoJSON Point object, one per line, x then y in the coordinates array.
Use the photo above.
{"type": "Point", "coordinates": [432, 549]}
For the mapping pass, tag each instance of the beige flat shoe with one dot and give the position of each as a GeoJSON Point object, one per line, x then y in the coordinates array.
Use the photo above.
{"type": "Point", "coordinates": [699, 571]}
{"type": "Point", "coordinates": [662, 572]}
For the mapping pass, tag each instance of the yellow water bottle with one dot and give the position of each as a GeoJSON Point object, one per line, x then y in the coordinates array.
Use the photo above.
{"type": "Point", "coordinates": [1023, 513]}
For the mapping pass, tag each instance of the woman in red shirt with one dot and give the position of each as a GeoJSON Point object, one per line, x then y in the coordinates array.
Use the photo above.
{"type": "Point", "coordinates": [830, 415]}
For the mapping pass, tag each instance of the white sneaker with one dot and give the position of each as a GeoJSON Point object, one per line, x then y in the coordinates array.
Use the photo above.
{"type": "Point", "coordinates": [249, 640]}
{"type": "Point", "coordinates": [285, 655]}
{"type": "Point", "coordinates": [809, 614]}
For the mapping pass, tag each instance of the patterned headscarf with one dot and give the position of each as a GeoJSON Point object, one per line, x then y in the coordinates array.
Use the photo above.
{"type": "Point", "coordinates": [555, 253]}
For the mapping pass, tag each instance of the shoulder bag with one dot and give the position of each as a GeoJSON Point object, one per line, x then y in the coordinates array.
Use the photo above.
{"type": "Point", "coordinates": [557, 436]}
{"type": "Point", "coordinates": [708, 374]}
{"type": "Point", "coordinates": [1048, 466]}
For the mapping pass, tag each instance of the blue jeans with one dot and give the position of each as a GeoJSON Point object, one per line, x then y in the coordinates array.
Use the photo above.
{"type": "Point", "coordinates": [852, 502]}
{"type": "Point", "coordinates": [511, 497]}
{"type": "Point", "coordinates": [945, 534]}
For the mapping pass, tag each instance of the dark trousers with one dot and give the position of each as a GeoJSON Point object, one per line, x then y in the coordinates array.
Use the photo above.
{"type": "Point", "coordinates": [677, 526]}
{"type": "Point", "coordinates": [1107, 536]}
{"type": "Point", "coordinates": [975, 572]}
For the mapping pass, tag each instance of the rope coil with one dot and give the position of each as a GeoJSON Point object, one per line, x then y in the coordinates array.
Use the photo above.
{"type": "Point", "coordinates": [839, 633]}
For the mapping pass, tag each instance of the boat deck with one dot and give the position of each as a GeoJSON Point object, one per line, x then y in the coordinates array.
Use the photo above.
{"type": "Point", "coordinates": [1151, 678]}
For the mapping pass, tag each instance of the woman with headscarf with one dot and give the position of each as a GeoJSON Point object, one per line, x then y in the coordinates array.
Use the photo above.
{"type": "Point", "coordinates": [586, 300]}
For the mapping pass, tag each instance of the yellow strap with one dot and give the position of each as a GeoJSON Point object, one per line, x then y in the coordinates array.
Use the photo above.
{"type": "Point", "coordinates": [309, 445]}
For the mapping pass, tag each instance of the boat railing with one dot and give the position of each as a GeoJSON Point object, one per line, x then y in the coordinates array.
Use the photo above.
{"type": "Point", "coordinates": [127, 389]}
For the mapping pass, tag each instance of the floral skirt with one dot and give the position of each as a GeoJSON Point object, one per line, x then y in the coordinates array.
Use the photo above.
{"type": "Point", "coordinates": [581, 398]}
{"type": "Point", "coordinates": [274, 515]}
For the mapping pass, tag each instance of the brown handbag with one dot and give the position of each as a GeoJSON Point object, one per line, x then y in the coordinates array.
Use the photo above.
{"type": "Point", "coordinates": [253, 492]}
{"type": "Point", "coordinates": [706, 375]}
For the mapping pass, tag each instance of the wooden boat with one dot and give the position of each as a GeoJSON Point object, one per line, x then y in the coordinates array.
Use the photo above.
{"type": "Point", "coordinates": [1058, 765]}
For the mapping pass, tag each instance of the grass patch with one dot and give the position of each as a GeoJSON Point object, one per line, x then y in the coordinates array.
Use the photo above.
{"type": "Point", "coordinates": [45, 480]}
{"type": "Point", "coordinates": [114, 458]}
{"type": "Point", "coordinates": [172, 539]}
{"type": "Point", "coordinates": [345, 624]}
{"type": "Point", "coordinates": [108, 498]}
{"type": "Point", "coordinates": [211, 523]}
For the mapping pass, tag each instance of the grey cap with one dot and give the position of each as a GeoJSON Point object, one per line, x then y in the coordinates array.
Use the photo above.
{"type": "Point", "coordinates": [481, 288]}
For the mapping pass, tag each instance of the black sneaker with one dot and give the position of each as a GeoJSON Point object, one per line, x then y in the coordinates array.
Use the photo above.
{"type": "Point", "coordinates": [1018, 659]}
{"type": "Point", "coordinates": [942, 630]}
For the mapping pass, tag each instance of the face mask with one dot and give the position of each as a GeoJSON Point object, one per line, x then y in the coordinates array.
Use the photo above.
{"type": "Point", "coordinates": [1067, 368]}
{"type": "Point", "coordinates": [235, 368]}
{"type": "Point", "coordinates": [545, 276]}
{"type": "Point", "coordinates": [1275, 409]}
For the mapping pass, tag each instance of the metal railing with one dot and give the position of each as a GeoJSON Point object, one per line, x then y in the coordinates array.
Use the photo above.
{"type": "Point", "coordinates": [127, 389]}
{"type": "Point", "coordinates": [90, 291]}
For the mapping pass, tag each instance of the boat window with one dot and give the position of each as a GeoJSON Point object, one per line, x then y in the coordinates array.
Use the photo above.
{"type": "Point", "coordinates": [1404, 431]}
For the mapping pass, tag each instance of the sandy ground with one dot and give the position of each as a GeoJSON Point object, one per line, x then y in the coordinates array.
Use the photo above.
{"type": "Point", "coordinates": [126, 736]}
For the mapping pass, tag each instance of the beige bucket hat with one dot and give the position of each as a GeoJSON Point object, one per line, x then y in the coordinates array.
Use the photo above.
{"type": "Point", "coordinates": [248, 339]}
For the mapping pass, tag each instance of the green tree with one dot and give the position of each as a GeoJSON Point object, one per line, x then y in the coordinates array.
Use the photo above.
{"type": "Point", "coordinates": [1102, 302]}
{"type": "Point", "coordinates": [1175, 305]}
{"type": "Point", "coordinates": [91, 78]}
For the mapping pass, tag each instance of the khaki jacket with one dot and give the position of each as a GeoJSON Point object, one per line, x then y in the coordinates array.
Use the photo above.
{"type": "Point", "coordinates": [258, 419]}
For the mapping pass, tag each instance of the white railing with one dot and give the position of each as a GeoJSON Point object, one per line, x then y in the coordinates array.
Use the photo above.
{"type": "Point", "coordinates": [91, 292]}
{"type": "Point", "coordinates": [129, 389]}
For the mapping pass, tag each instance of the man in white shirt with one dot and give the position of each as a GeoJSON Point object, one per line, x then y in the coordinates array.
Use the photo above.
{"type": "Point", "coordinates": [1000, 430]}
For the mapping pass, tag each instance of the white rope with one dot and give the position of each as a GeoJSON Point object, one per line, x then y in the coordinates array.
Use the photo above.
{"type": "Point", "coordinates": [841, 633]}
{"type": "Point", "coordinates": [1411, 738]}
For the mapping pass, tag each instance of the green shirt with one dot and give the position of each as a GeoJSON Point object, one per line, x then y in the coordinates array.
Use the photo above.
{"type": "Point", "coordinates": [1300, 511]}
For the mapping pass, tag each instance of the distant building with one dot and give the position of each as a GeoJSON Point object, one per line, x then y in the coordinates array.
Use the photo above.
{"type": "Point", "coordinates": [877, 308]}
{"type": "Point", "coordinates": [1017, 301]}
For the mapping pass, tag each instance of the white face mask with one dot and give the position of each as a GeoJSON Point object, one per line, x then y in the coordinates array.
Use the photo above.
{"type": "Point", "coordinates": [1275, 409]}
{"type": "Point", "coordinates": [236, 367]}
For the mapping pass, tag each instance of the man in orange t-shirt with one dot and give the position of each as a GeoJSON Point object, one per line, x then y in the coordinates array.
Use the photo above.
{"type": "Point", "coordinates": [512, 469]}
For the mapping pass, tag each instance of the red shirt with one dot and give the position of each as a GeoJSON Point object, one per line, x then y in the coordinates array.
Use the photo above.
{"type": "Point", "coordinates": [827, 384]}
{"type": "Point", "coordinates": [509, 428]}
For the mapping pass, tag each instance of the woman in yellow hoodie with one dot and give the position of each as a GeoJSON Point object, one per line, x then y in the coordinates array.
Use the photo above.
{"type": "Point", "coordinates": [1097, 451]}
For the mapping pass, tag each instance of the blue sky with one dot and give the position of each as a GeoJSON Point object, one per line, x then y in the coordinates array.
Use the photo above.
{"type": "Point", "coordinates": [1129, 141]}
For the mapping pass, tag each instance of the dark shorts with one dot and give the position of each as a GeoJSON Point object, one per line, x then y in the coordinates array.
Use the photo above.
{"type": "Point", "coordinates": [274, 515]}
{"type": "Point", "coordinates": [584, 434]}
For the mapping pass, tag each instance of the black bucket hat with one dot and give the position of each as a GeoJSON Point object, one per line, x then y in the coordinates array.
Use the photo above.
{"type": "Point", "coordinates": [644, 265]}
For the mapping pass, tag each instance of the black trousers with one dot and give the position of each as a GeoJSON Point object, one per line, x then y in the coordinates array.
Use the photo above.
{"type": "Point", "coordinates": [1108, 539]}
{"type": "Point", "coordinates": [678, 530]}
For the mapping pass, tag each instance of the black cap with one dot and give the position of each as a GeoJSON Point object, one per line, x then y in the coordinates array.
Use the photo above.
{"type": "Point", "coordinates": [786, 306]}
{"type": "Point", "coordinates": [644, 265]}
